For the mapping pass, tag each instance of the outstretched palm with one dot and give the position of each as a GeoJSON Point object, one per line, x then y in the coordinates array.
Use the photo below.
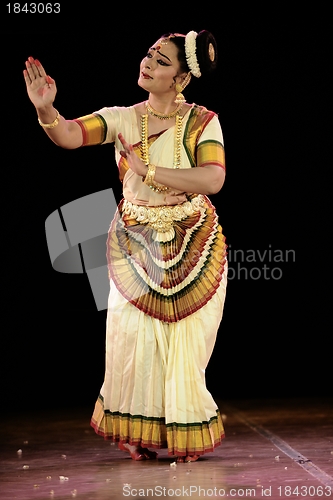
{"type": "Point", "coordinates": [41, 88]}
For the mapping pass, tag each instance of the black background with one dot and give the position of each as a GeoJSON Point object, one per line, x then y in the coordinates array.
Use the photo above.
{"type": "Point", "coordinates": [52, 347]}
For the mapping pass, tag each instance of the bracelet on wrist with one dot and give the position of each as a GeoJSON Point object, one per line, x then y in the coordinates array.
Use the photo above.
{"type": "Point", "coordinates": [50, 125]}
{"type": "Point", "coordinates": [149, 180]}
{"type": "Point", "coordinates": [149, 177]}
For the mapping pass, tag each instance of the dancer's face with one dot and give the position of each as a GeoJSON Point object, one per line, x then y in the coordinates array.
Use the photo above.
{"type": "Point", "coordinates": [160, 68]}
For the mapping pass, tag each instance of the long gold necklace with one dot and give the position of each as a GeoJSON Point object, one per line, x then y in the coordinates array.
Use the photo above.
{"type": "Point", "coordinates": [144, 148]}
{"type": "Point", "coordinates": [162, 116]}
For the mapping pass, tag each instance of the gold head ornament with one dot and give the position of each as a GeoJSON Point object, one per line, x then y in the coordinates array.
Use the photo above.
{"type": "Point", "coordinates": [163, 41]}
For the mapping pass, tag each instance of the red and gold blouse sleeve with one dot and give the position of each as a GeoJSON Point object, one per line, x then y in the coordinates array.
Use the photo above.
{"type": "Point", "coordinates": [210, 153]}
{"type": "Point", "coordinates": [94, 129]}
{"type": "Point", "coordinates": [210, 148]}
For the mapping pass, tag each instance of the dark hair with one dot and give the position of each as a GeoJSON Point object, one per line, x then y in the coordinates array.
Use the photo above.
{"type": "Point", "coordinates": [206, 51]}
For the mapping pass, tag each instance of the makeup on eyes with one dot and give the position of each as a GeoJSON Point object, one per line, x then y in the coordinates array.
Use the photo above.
{"type": "Point", "coordinates": [160, 53]}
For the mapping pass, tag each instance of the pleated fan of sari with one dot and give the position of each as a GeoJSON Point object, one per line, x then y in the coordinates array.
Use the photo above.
{"type": "Point", "coordinates": [168, 280]}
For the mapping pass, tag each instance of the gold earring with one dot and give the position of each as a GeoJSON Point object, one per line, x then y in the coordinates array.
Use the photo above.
{"type": "Point", "coordinates": [179, 87]}
{"type": "Point", "coordinates": [179, 97]}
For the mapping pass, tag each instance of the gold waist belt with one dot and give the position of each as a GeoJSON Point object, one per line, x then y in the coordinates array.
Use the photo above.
{"type": "Point", "coordinates": [163, 217]}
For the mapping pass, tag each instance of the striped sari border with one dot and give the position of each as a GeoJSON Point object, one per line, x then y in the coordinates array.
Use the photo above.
{"type": "Point", "coordinates": [181, 439]}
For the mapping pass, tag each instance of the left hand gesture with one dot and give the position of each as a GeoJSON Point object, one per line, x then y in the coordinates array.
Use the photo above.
{"type": "Point", "coordinates": [134, 162]}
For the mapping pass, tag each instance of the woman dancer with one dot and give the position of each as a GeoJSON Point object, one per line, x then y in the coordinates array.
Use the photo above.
{"type": "Point", "coordinates": [165, 249]}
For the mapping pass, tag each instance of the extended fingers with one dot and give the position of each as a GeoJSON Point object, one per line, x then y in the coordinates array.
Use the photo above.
{"type": "Point", "coordinates": [40, 68]}
{"type": "Point", "coordinates": [26, 77]}
{"type": "Point", "coordinates": [128, 148]}
{"type": "Point", "coordinates": [34, 69]}
{"type": "Point", "coordinates": [122, 139]}
{"type": "Point", "coordinates": [124, 142]}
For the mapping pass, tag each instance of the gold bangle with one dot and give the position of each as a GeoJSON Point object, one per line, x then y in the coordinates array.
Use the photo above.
{"type": "Point", "coordinates": [149, 178]}
{"type": "Point", "coordinates": [50, 125]}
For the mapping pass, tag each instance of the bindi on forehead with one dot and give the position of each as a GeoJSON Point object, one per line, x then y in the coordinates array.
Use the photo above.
{"type": "Point", "coordinates": [158, 48]}
{"type": "Point", "coordinates": [165, 40]}
{"type": "Point", "coordinates": [162, 41]}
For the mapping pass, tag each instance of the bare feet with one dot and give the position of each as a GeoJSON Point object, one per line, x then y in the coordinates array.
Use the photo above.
{"type": "Point", "coordinates": [137, 453]}
{"type": "Point", "coordinates": [188, 458]}
{"type": "Point", "coordinates": [192, 458]}
{"type": "Point", "coordinates": [150, 455]}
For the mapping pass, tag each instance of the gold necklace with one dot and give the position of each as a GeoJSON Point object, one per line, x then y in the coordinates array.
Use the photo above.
{"type": "Point", "coordinates": [144, 148]}
{"type": "Point", "coordinates": [162, 116]}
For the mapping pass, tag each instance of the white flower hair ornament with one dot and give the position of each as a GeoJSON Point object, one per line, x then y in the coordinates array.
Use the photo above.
{"type": "Point", "coordinates": [190, 52]}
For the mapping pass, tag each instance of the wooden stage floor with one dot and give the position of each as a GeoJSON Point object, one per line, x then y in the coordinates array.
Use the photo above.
{"type": "Point", "coordinates": [273, 448]}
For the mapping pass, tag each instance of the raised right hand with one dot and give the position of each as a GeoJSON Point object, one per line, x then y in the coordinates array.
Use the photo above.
{"type": "Point", "coordinates": [41, 88]}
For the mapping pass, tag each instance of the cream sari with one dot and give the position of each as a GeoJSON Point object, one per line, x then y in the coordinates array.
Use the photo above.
{"type": "Point", "coordinates": [167, 292]}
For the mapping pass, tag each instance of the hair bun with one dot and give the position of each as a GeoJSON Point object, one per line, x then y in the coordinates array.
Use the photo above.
{"type": "Point", "coordinates": [206, 51]}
